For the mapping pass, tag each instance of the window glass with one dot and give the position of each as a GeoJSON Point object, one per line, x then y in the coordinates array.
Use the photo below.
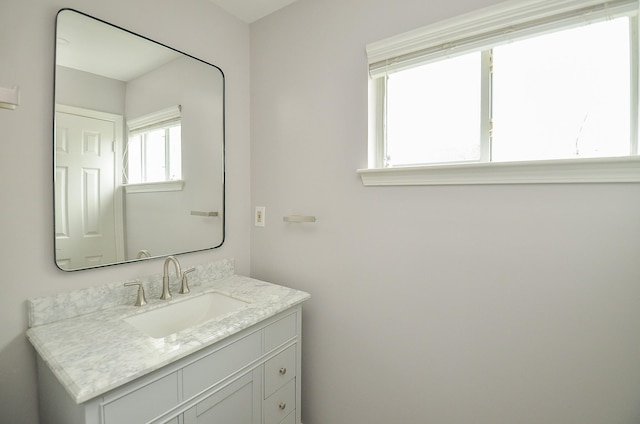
{"type": "Point", "coordinates": [563, 95]}
{"type": "Point", "coordinates": [155, 166]}
{"type": "Point", "coordinates": [175, 153]}
{"type": "Point", "coordinates": [155, 155]}
{"type": "Point", "coordinates": [134, 160]}
{"type": "Point", "coordinates": [433, 112]}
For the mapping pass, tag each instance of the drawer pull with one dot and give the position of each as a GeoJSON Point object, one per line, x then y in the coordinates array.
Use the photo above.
{"type": "Point", "coordinates": [282, 405]}
{"type": "Point", "coordinates": [283, 371]}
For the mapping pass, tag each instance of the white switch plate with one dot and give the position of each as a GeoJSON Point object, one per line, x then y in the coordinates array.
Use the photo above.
{"type": "Point", "coordinates": [259, 216]}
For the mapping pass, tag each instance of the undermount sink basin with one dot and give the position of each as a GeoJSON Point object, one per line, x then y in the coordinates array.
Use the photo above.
{"type": "Point", "coordinates": [161, 322]}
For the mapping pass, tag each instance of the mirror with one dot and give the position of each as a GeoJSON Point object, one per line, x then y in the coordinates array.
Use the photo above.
{"type": "Point", "coordinates": [138, 147]}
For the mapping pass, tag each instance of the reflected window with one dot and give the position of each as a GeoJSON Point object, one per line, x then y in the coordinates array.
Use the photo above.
{"type": "Point", "coordinates": [154, 148]}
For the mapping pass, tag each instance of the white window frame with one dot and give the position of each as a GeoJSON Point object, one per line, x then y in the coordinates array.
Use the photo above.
{"type": "Point", "coordinates": [477, 31]}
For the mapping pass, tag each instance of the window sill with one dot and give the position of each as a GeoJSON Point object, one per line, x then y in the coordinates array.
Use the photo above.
{"type": "Point", "coordinates": [175, 185]}
{"type": "Point", "coordinates": [598, 170]}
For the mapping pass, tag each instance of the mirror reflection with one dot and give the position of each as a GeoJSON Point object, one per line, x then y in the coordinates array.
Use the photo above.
{"type": "Point", "coordinates": [138, 147]}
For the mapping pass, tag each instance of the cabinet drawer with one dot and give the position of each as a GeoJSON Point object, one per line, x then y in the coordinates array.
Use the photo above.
{"type": "Point", "coordinates": [279, 370]}
{"type": "Point", "coordinates": [280, 404]}
{"type": "Point", "coordinates": [280, 331]}
{"type": "Point", "coordinates": [144, 403]}
{"type": "Point", "coordinates": [213, 368]}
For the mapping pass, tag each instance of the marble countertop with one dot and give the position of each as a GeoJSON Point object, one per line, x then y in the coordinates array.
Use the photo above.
{"type": "Point", "coordinates": [97, 351]}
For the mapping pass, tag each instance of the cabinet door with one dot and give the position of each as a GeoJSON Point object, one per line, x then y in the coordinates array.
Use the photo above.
{"type": "Point", "coordinates": [237, 403]}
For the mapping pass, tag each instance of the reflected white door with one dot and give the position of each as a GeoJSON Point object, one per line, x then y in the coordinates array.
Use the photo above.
{"type": "Point", "coordinates": [84, 187]}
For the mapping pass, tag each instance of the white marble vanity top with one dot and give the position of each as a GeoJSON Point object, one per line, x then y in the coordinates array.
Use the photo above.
{"type": "Point", "coordinates": [97, 351]}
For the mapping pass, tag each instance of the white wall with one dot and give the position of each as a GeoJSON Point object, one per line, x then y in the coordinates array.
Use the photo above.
{"type": "Point", "coordinates": [488, 304]}
{"type": "Point", "coordinates": [26, 54]}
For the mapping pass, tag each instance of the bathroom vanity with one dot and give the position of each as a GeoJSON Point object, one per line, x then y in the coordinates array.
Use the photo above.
{"type": "Point", "coordinates": [242, 366]}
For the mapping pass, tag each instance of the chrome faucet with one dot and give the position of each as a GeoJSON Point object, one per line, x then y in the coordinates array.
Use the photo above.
{"type": "Point", "coordinates": [166, 293]}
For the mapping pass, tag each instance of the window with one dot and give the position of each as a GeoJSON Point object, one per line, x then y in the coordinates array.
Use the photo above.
{"type": "Point", "coordinates": [154, 148]}
{"type": "Point", "coordinates": [154, 155]}
{"type": "Point", "coordinates": [433, 112]}
{"type": "Point", "coordinates": [555, 86]}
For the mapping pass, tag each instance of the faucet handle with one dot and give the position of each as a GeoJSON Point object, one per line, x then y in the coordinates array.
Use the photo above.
{"type": "Point", "coordinates": [140, 301]}
{"type": "Point", "coordinates": [184, 289]}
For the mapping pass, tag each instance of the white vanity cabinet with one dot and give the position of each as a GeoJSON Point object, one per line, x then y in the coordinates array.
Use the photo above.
{"type": "Point", "coordinates": [252, 377]}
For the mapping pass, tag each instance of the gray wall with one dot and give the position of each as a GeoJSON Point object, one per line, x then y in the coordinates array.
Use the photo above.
{"type": "Point", "coordinates": [196, 27]}
{"type": "Point", "coordinates": [488, 304]}
{"type": "Point", "coordinates": [76, 88]}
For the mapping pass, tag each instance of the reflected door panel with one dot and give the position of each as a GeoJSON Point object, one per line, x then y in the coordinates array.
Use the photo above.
{"type": "Point", "coordinates": [84, 203]}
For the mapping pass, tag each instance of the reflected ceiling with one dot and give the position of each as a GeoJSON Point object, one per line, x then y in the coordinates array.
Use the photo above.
{"type": "Point", "coordinates": [106, 50]}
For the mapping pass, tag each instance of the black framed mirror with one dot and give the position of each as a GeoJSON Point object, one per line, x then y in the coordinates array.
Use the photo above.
{"type": "Point", "coordinates": [138, 142]}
